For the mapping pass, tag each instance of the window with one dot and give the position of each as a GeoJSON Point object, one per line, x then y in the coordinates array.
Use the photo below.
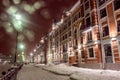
{"type": "Point", "coordinates": [81, 40]}
{"type": "Point", "coordinates": [88, 22]}
{"type": "Point", "coordinates": [70, 33]}
{"type": "Point", "coordinates": [70, 44]}
{"type": "Point", "coordinates": [87, 5]}
{"type": "Point", "coordinates": [65, 47]}
{"type": "Point", "coordinates": [103, 13]}
{"type": "Point", "coordinates": [79, 15]}
{"type": "Point", "coordinates": [69, 23]}
{"type": "Point", "coordinates": [116, 4]}
{"type": "Point", "coordinates": [118, 26]}
{"type": "Point", "coordinates": [108, 53]}
{"type": "Point", "coordinates": [89, 36]}
{"type": "Point", "coordinates": [75, 39]}
{"type": "Point", "coordinates": [107, 49]}
{"type": "Point", "coordinates": [82, 54]}
{"type": "Point", "coordinates": [105, 31]}
{"type": "Point", "coordinates": [91, 53]}
{"type": "Point", "coordinates": [82, 11]}
{"type": "Point", "coordinates": [75, 33]}
{"type": "Point", "coordinates": [101, 2]}
{"type": "Point", "coordinates": [76, 54]}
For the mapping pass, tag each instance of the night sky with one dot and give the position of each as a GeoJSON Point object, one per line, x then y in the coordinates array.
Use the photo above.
{"type": "Point", "coordinates": [36, 23]}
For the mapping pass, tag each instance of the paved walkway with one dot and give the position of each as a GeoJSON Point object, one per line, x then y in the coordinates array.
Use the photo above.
{"type": "Point", "coordinates": [30, 72]}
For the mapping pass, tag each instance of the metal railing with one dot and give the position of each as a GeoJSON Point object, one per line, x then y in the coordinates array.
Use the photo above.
{"type": "Point", "coordinates": [11, 74]}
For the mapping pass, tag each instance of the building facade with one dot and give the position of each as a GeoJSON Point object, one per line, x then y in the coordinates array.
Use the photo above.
{"type": "Point", "coordinates": [88, 35]}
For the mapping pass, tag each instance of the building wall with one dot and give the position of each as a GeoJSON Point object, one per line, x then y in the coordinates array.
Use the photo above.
{"type": "Point", "coordinates": [95, 34]}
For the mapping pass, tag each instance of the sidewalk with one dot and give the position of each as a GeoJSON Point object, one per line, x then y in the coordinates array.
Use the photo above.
{"type": "Point", "coordinates": [76, 73]}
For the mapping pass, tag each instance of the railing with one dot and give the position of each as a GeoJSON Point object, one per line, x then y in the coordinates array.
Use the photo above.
{"type": "Point", "coordinates": [11, 74]}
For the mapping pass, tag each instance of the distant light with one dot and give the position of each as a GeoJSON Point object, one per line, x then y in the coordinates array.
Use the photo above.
{"type": "Point", "coordinates": [39, 4]}
{"type": "Point", "coordinates": [42, 41]}
{"type": "Point", "coordinates": [23, 53]}
{"type": "Point", "coordinates": [18, 17]}
{"type": "Point", "coordinates": [12, 10]}
{"type": "Point", "coordinates": [31, 54]}
{"type": "Point", "coordinates": [113, 38]}
{"type": "Point", "coordinates": [16, 1]}
{"type": "Point", "coordinates": [30, 9]}
{"type": "Point", "coordinates": [21, 46]}
{"type": "Point", "coordinates": [34, 50]}
{"type": "Point", "coordinates": [18, 55]}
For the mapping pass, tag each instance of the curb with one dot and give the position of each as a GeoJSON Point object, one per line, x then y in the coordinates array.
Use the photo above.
{"type": "Point", "coordinates": [56, 72]}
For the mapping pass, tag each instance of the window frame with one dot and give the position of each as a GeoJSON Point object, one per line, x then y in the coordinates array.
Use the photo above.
{"type": "Point", "coordinates": [89, 53]}
{"type": "Point", "coordinates": [117, 5]}
{"type": "Point", "coordinates": [89, 33]}
{"type": "Point", "coordinates": [105, 31]}
{"type": "Point", "coordinates": [102, 11]}
{"type": "Point", "coordinates": [86, 4]}
{"type": "Point", "coordinates": [118, 30]}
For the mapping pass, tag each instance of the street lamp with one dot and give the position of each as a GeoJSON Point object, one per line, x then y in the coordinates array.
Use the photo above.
{"type": "Point", "coordinates": [17, 26]}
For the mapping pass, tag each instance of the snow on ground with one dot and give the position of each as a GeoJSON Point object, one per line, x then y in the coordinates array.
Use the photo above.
{"type": "Point", "coordinates": [84, 73]}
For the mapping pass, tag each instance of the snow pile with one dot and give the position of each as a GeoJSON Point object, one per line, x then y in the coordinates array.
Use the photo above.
{"type": "Point", "coordinates": [84, 73]}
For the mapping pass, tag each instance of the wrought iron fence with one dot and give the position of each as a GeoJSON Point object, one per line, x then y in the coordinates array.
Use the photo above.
{"type": "Point", "coordinates": [12, 73]}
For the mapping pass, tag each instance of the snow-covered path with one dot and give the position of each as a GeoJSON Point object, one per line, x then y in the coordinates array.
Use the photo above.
{"type": "Point", "coordinates": [30, 72]}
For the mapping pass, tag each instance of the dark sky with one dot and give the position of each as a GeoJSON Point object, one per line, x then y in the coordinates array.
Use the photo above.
{"type": "Point", "coordinates": [37, 22]}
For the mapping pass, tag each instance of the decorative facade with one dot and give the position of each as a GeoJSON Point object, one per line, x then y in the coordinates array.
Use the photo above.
{"type": "Point", "coordinates": [87, 35]}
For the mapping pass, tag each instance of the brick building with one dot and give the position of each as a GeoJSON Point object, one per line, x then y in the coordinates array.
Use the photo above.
{"type": "Point", "coordinates": [88, 35]}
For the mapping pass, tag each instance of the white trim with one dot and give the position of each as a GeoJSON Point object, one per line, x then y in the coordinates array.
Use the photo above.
{"type": "Point", "coordinates": [118, 47]}
{"type": "Point", "coordinates": [75, 6]}
{"type": "Point", "coordinates": [113, 58]}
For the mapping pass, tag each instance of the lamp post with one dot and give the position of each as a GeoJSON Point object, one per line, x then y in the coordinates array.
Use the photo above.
{"type": "Point", "coordinates": [17, 26]}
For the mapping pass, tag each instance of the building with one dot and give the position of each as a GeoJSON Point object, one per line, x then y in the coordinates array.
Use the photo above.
{"type": "Point", "coordinates": [87, 35]}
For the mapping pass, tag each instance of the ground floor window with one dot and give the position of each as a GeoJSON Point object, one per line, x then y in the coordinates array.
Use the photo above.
{"type": "Point", "coordinates": [91, 52]}
{"type": "Point", "coordinates": [107, 49]}
{"type": "Point", "coordinates": [82, 56]}
{"type": "Point", "coordinates": [65, 57]}
{"type": "Point", "coordinates": [108, 53]}
{"type": "Point", "coordinates": [76, 54]}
